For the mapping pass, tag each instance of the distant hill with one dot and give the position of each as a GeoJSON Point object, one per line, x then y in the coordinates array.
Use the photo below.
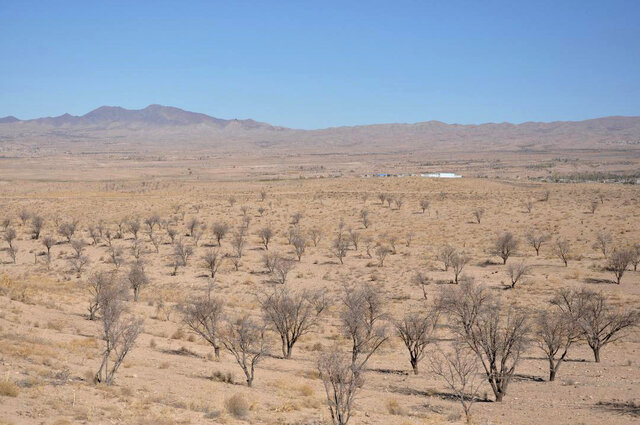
{"type": "Point", "coordinates": [158, 127]}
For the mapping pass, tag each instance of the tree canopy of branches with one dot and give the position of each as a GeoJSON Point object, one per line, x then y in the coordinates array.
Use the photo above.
{"type": "Point", "coordinates": [245, 340]}
{"type": "Point", "coordinates": [137, 279]}
{"type": "Point", "coordinates": [119, 333]}
{"type": "Point", "coordinates": [416, 332]}
{"type": "Point", "coordinates": [292, 314]}
{"type": "Point", "coordinates": [554, 333]}
{"type": "Point", "coordinates": [505, 245]}
{"type": "Point", "coordinates": [562, 249]}
{"type": "Point", "coordinates": [536, 239]}
{"type": "Point", "coordinates": [618, 262]}
{"type": "Point", "coordinates": [341, 383]}
{"type": "Point", "coordinates": [600, 323]}
{"type": "Point", "coordinates": [212, 260]}
{"type": "Point", "coordinates": [517, 271]}
{"type": "Point", "coordinates": [203, 316]}
{"type": "Point", "coordinates": [362, 322]}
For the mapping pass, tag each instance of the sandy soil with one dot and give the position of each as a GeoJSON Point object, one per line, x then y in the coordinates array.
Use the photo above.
{"type": "Point", "coordinates": [50, 351]}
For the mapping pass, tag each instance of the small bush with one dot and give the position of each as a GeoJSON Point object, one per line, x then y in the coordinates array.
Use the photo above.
{"type": "Point", "coordinates": [8, 389]}
{"type": "Point", "coordinates": [227, 378]}
{"type": "Point", "coordinates": [237, 405]}
{"type": "Point", "coordinates": [393, 407]}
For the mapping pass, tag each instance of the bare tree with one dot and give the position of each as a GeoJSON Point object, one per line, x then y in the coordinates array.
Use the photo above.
{"type": "Point", "coordinates": [446, 255]}
{"type": "Point", "coordinates": [555, 332]}
{"type": "Point", "coordinates": [292, 314]}
{"type": "Point", "coordinates": [98, 283]}
{"type": "Point", "coordinates": [505, 246]}
{"type": "Point", "coordinates": [295, 218]}
{"type": "Point", "coordinates": [399, 201]}
{"type": "Point", "coordinates": [458, 261]}
{"type": "Point", "coordinates": [78, 246]}
{"type": "Point", "coordinates": [180, 255]}
{"type": "Point", "coordinates": [203, 316]}
{"type": "Point", "coordinates": [281, 269]}
{"type": "Point", "coordinates": [562, 250]}
{"type": "Point", "coordinates": [600, 322]}
{"type": "Point", "coordinates": [133, 225]}
{"type": "Point", "coordinates": [424, 205]}
{"type": "Point", "coordinates": [116, 256]}
{"type": "Point", "coordinates": [618, 262]}
{"type": "Point", "coordinates": [517, 271]}
{"type": "Point", "coordinates": [499, 339]}
{"type": "Point", "coordinates": [299, 243]}
{"type": "Point", "coordinates": [478, 213]}
{"type": "Point", "coordinates": [37, 223]}
{"type": "Point", "coordinates": [416, 330]}
{"type": "Point", "coordinates": [603, 242]}
{"type": "Point", "coordinates": [192, 225]}
{"type": "Point", "coordinates": [270, 259]}
{"type": "Point", "coordinates": [354, 237]}
{"type": "Point", "coordinates": [463, 304]}
{"type": "Point", "coordinates": [265, 234]}
{"type": "Point", "coordinates": [316, 235]}
{"type": "Point", "coordinates": [422, 281]}
{"type": "Point", "coordinates": [459, 369]}
{"type": "Point", "coordinates": [137, 279]}
{"type": "Point", "coordinates": [245, 340]}
{"type": "Point", "coordinates": [151, 222]}
{"type": "Point", "coordinates": [339, 248]}
{"type": "Point", "coordinates": [635, 256]}
{"type": "Point", "coordinates": [263, 195]}
{"type": "Point", "coordinates": [219, 231]}
{"type": "Point", "coordinates": [48, 242]}
{"type": "Point", "coordinates": [528, 205]}
{"type": "Point", "coordinates": [212, 261]}
{"type": "Point", "coordinates": [364, 217]}
{"type": "Point", "coordinates": [119, 333]}
{"type": "Point", "coordinates": [362, 322]}
{"type": "Point", "coordinates": [593, 206]}
{"type": "Point", "coordinates": [9, 236]}
{"type": "Point", "coordinates": [238, 242]}
{"type": "Point", "coordinates": [381, 253]}
{"type": "Point", "coordinates": [172, 233]}
{"type": "Point", "coordinates": [341, 383]}
{"type": "Point", "coordinates": [24, 216]}
{"type": "Point", "coordinates": [536, 239]}
{"type": "Point", "coordinates": [68, 229]}
{"type": "Point", "coordinates": [94, 234]}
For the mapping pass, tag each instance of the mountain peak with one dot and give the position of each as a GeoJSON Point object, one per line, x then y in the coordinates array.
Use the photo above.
{"type": "Point", "coordinates": [8, 119]}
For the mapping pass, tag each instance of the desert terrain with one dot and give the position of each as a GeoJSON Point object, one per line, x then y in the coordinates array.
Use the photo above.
{"type": "Point", "coordinates": [50, 351]}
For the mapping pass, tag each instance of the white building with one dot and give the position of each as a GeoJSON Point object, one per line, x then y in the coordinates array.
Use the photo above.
{"type": "Point", "coordinates": [442, 175]}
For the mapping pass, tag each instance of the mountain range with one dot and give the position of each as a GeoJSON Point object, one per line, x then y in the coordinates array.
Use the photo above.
{"type": "Point", "coordinates": [163, 127]}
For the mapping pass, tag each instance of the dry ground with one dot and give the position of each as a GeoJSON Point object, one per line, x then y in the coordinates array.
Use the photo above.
{"type": "Point", "coordinates": [49, 350]}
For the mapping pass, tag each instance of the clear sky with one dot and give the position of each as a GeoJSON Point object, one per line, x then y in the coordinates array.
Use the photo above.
{"type": "Point", "coordinates": [314, 64]}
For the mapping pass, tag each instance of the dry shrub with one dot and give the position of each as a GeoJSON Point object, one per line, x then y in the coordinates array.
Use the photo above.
{"type": "Point", "coordinates": [16, 291]}
{"type": "Point", "coordinates": [8, 388]}
{"type": "Point", "coordinates": [393, 407]}
{"type": "Point", "coordinates": [306, 390]}
{"type": "Point", "coordinates": [237, 405]}
{"type": "Point", "coordinates": [218, 376]}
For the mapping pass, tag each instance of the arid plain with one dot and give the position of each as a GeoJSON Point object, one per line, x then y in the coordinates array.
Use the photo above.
{"type": "Point", "coordinates": [50, 351]}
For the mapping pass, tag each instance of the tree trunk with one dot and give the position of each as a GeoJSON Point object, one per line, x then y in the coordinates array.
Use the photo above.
{"type": "Point", "coordinates": [216, 352]}
{"type": "Point", "coordinates": [596, 353]}
{"type": "Point", "coordinates": [414, 365]}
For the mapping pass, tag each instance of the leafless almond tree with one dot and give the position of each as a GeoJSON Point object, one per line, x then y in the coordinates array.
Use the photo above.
{"type": "Point", "coordinates": [381, 254]}
{"type": "Point", "coordinates": [212, 261]}
{"type": "Point", "coordinates": [458, 261]}
{"type": "Point", "coordinates": [341, 383]}
{"type": "Point", "coordinates": [446, 255]}
{"type": "Point", "coordinates": [265, 234]}
{"type": "Point", "coordinates": [459, 368]}
{"type": "Point", "coordinates": [238, 242]}
{"type": "Point", "coordinates": [203, 316]}
{"type": "Point", "coordinates": [363, 322]}
{"type": "Point", "coordinates": [37, 223]}
{"type": "Point", "coordinates": [116, 256]}
{"type": "Point", "coordinates": [316, 235]}
{"type": "Point", "coordinates": [299, 243]}
{"type": "Point", "coordinates": [499, 338]}
{"type": "Point", "coordinates": [364, 217]}
{"type": "Point", "coordinates": [292, 314]}
{"type": "Point", "coordinates": [562, 249]}
{"type": "Point", "coordinates": [416, 330]}
{"type": "Point", "coordinates": [555, 332]}
{"type": "Point", "coordinates": [245, 340]}
{"type": "Point", "coordinates": [219, 231]}
{"type": "Point", "coordinates": [339, 248]}
{"type": "Point", "coordinates": [137, 279]}
{"type": "Point", "coordinates": [478, 213]}
{"type": "Point", "coordinates": [505, 246]}
{"type": "Point", "coordinates": [603, 242]}
{"type": "Point", "coordinates": [24, 216]}
{"type": "Point", "coordinates": [422, 281]}
{"type": "Point", "coordinates": [281, 269]}
{"type": "Point", "coordinates": [424, 205]}
{"type": "Point", "coordinates": [517, 271]}
{"type": "Point", "coordinates": [600, 322]}
{"type": "Point", "coordinates": [119, 333]}
{"type": "Point", "coordinates": [536, 239]}
{"type": "Point", "coordinates": [68, 229]}
{"type": "Point", "coordinates": [133, 224]}
{"type": "Point", "coordinates": [618, 262]}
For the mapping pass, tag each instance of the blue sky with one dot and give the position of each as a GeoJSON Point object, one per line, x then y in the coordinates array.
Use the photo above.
{"type": "Point", "coordinates": [318, 64]}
